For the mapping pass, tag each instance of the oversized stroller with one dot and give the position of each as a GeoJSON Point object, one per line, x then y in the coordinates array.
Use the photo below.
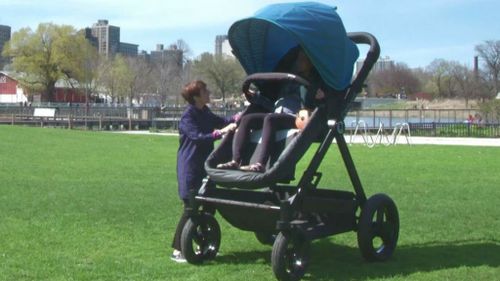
{"type": "Point", "coordinates": [289, 216]}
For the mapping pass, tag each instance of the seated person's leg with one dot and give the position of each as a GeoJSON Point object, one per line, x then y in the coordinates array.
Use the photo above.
{"type": "Point", "coordinates": [248, 122]}
{"type": "Point", "coordinates": [272, 123]}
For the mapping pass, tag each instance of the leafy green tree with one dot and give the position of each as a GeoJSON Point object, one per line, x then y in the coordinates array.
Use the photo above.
{"type": "Point", "coordinates": [122, 75]}
{"type": "Point", "coordinates": [79, 61]}
{"type": "Point", "coordinates": [223, 73]}
{"type": "Point", "coordinates": [50, 53]}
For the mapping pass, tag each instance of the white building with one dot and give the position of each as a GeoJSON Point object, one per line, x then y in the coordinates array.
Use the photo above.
{"type": "Point", "coordinates": [10, 90]}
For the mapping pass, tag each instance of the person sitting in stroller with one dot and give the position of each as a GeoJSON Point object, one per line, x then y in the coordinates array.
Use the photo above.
{"type": "Point", "coordinates": [292, 97]}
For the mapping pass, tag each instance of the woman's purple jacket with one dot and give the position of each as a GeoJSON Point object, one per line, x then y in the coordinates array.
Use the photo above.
{"type": "Point", "coordinates": [196, 142]}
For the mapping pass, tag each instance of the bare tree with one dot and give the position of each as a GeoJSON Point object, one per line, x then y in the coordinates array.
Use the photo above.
{"type": "Point", "coordinates": [489, 52]}
{"type": "Point", "coordinates": [184, 47]}
{"type": "Point", "coordinates": [465, 83]}
{"type": "Point", "coordinates": [394, 80]}
{"type": "Point", "coordinates": [136, 78]}
{"type": "Point", "coordinates": [167, 68]}
{"type": "Point", "coordinates": [438, 70]}
{"type": "Point", "coordinates": [111, 71]}
{"type": "Point", "coordinates": [445, 77]}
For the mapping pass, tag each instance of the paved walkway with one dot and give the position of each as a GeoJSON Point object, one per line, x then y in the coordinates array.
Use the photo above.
{"type": "Point", "coordinates": [400, 141]}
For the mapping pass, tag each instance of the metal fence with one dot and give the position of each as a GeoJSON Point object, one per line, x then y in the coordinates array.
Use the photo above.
{"type": "Point", "coordinates": [422, 122]}
{"type": "Point", "coordinates": [391, 117]}
{"type": "Point", "coordinates": [98, 117]}
{"type": "Point", "coordinates": [433, 129]}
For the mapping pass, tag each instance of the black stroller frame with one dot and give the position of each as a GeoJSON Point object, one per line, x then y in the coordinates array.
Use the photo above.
{"type": "Point", "coordinates": [290, 217]}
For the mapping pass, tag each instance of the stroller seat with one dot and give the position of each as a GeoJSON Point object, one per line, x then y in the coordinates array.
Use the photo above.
{"type": "Point", "coordinates": [281, 167]}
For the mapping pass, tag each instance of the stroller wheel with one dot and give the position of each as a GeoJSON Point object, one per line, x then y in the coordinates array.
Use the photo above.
{"type": "Point", "coordinates": [200, 239]}
{"type": "Point", "coordinates": [265, 238]}
{"type": "Point", "coordinates": [378, 228]}
{"type": "Point", "coordinates": [290, 256]}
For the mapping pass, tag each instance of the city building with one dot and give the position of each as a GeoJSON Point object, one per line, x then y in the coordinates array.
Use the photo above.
{"type": "Point", "coordinates": [10, 90]}
{"type": "Point", "coordinates": [128, 49]}
{"type": "Point", "coordinates": [170, 58]}
{"type": "Point", "coordinates": [106, 38]}
{"type": "Point", "coordinates": [4, 37]}
{"type": "Point", "coordinates": [384, 63]}
{"type": "Point", "coordinates": [222, 46]}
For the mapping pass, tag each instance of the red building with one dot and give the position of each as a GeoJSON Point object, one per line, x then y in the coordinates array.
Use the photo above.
{"type": "Point", "coordinates": [12, 92]}
{"type": "Point", "coordinates": [69, 95]}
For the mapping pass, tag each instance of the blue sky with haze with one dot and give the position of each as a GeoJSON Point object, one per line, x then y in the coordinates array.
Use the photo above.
{"type": "Point", "coordinates": [413, 32]}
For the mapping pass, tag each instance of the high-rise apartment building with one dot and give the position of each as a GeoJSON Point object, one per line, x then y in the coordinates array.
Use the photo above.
{"type": "Point", "coordinates": [222, 46]}
{"type": "Point", "coordinates": [4, 37]}
{"type": "Point", "coordinates": [170, 58]}
{"type": "Point", "coordinates": [106, 37]}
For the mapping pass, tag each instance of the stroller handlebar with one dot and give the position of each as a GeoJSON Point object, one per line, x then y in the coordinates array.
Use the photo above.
{"type": "Point", "coordinates": [270, 76]}
{"type": "Point", "coordinates": [273, 76]}
{"type": "Point", "coordinates": [371, 58]}
{"type": "Point", "coordinates": [340, 105]}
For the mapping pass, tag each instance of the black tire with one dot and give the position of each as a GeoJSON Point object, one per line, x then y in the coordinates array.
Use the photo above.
{"type": "Point", "coordinates": [290, 256]}
{"type": "Point", "coordinates": [378, 228]}
{"type": "Point", "coordinates": [200, 239]}
{"type": "Point", "coordinates": [265, 238]}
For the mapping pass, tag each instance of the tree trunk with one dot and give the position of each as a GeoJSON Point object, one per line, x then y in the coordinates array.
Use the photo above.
{"type": "Point", "coordinates": [49, 91]}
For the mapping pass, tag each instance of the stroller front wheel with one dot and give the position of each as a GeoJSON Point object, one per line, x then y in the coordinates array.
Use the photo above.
{"type": "Point", "coordinates": [290, 256]}
{"type": "Point", "coordinates": [200, 238]}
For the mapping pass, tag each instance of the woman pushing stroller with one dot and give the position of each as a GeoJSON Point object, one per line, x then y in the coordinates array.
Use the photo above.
{"type": "Point", "coordinates": [292, 97]}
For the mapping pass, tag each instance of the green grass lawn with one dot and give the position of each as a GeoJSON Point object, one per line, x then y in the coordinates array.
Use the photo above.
{"type": "Point", "coordinates": [78, 205]}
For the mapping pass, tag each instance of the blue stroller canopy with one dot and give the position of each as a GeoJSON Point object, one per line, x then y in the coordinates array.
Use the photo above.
{"type": "Point", "coordinates": [259, 42]}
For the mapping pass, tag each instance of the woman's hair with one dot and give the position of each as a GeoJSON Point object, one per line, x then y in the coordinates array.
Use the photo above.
{"type": "Point", "coordinates": [193, 89]}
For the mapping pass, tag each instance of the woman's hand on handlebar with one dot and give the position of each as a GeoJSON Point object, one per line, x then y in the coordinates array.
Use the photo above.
{"type": "Point", "coordinates": [229, 128]}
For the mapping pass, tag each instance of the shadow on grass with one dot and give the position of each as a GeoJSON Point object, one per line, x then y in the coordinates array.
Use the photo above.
{"type": "Point", "coordinates": [337, 262]}
{"type": "Point", "coordinates": [250, 257]}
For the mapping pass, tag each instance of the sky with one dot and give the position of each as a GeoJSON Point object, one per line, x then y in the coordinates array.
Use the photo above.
{"type": "Point", "coordinates": [410, 32]}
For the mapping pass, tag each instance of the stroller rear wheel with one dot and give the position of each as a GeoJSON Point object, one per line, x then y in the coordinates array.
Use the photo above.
{"type": "Point", "coordinates": [290, 256]}
{"type": "Point", "coordinates": [200, 238]}
{"type": "Point", "coordinates": [378, 228]}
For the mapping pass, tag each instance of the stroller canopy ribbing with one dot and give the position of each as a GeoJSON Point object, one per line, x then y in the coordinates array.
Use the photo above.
{"type": "Point", "coordinates": [260, 41]}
